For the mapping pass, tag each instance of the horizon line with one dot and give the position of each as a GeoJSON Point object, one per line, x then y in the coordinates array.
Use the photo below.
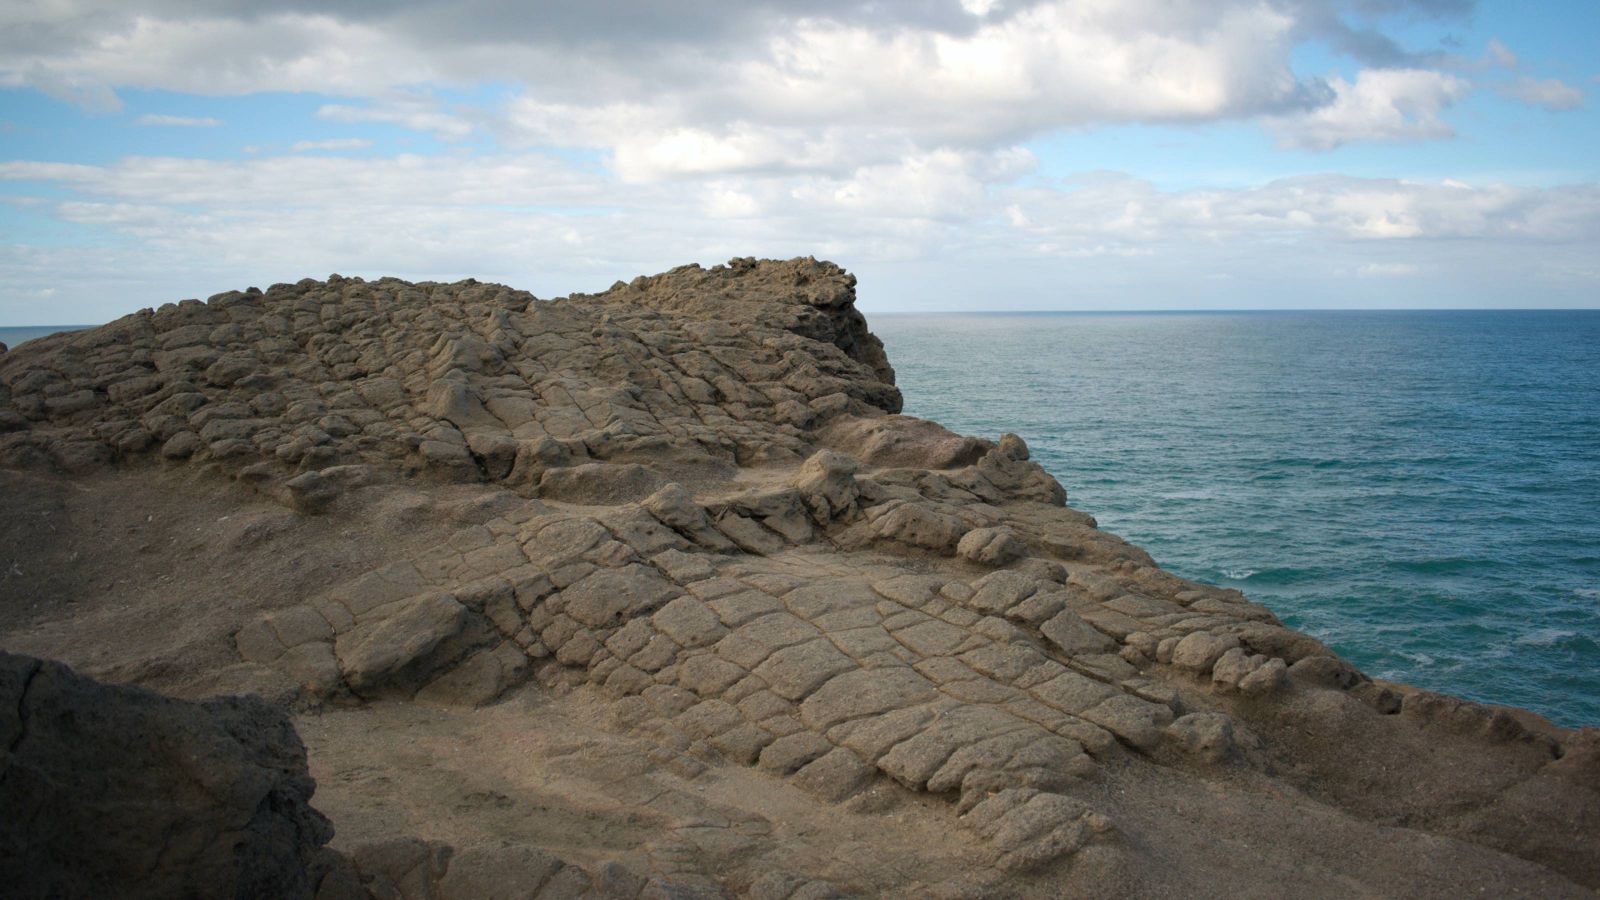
{"type": "Point", "coordinates": [1250, 309]}
{"type": "Point", "coordinates": [1057, 312]}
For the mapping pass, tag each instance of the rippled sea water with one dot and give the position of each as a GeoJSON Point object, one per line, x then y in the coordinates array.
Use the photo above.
{"type": "Point", "coordinates": [12, 336]}
{"type": "Point", "coordinates": [1420, 490]}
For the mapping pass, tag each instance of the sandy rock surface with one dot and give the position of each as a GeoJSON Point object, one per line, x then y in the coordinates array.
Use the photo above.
{"type": "Point", "coordinates": [654, 593]}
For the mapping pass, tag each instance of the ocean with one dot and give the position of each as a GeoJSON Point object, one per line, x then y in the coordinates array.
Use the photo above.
{"type": "Point", "coordinates": [12, 336]}
{"type": "Point", "coordinates": [1420, 490]}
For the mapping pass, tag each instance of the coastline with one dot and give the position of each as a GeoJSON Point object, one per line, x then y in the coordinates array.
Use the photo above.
{"type": "Point", "coordinates": [1429, 514]}
{"type": "Point", "coordinates": [685, 518]}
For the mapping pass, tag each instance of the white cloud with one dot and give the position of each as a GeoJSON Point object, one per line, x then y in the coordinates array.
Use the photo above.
{"type": "Point", "coordinates": [1550, 93]}
{"type": "Point", "coordinates": [88, 93]}
{"type": "Point", "coordinates": [331, 144]}
{"type": "Point", "coordinates": [1387, 270]}
{"type": "Point", "coordinates": [704, 87]}
{"type": "Point", "coordinates": [176, 227]}
{"type": "Point", "coordinates": [210, 54]}
{"type": "Point", "coordinates": [177, 121]}
{"type": "Point", "coordinates": [831, 97]}
{"type": "Point", "coordinates": [944, 185]}
{"type": "Point", "coordinates": [727, 202]}
{"type": "Point", "coordinates": [1380, 105]}
{"type": "Point", "coordinates": [1310, 211]}
{"type": "Point", "coordinates": [1499, 54]}
{"type": "Point", "coordinates": [416, 112]}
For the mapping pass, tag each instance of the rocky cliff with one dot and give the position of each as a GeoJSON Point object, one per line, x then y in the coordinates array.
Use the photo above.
{"type": "Point", "coordinates": [669, 555]}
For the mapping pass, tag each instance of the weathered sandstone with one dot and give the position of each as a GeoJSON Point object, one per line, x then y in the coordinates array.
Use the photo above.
{"type": "Point", "coordinates": [677, 536]}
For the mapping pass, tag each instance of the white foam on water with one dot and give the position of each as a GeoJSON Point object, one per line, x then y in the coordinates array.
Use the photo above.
{"type": "Point", "coordinates": [1543, 637]}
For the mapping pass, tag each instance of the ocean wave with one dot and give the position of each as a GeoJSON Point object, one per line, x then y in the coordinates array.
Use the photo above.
{"type": "Point", "coordinates": [1543, 637]}
{"type": "Point", "coordinates": [1445, 566]}
{"type": "Point", "coordinates": [1238, 574]}
{"type": "Point", "coordinates": [1417, 657]}
{"type": "Point", "coordinates": [1588, 593]}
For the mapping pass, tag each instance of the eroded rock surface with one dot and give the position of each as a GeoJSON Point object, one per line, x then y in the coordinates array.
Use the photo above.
{"type": "Point", "coordinates": [702, 511]}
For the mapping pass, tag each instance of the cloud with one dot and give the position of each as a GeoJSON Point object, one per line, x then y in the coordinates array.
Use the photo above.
{"type": "Point", "coordinates": [1309, 211]}
{"type": "Point", "coordinates": [414, 111]}
{"type": "Point", "coordinates": [1550, 93]}
{"type": "Point", "coordinates": [697, 86]}
{"type": "Point", "coordinates": [985, 194]}
{"type": "Point", "coordinates": [1388, 270]}
{"type": "Point", "coordinates": [177, 121]}
{"type": "Point", "coordinates": [331, 144]}
{"type": "Point", "coordinates": [172, 227]}
{"type": "Point", "coordinates": [1499, 54]}
{"type": "Point", "coordinates": [1380, 105]}
{"type": "Point", "coordinates": [87, 93]}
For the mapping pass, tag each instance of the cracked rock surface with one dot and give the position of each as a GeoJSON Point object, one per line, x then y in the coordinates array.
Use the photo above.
{"type": "Point", "coordinates": [655, 593]}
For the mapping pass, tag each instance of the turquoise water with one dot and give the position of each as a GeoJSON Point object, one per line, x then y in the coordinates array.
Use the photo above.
{"type": "Point", "coordinates": [12, 336]}
{"type": "Point", "coordinates": [1420, 490]}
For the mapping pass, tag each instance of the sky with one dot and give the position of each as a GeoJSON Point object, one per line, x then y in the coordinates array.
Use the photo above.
{"type": "Point", "coordinates": [954, 154]}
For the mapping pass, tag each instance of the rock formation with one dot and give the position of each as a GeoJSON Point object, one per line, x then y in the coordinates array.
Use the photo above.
{"type": "Point", "coordinates": [116, 791]}
{"type": "Point", "coordinates": [690, 506]}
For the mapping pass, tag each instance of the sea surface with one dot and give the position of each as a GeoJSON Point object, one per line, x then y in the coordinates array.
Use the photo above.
{"type": "Point", "coordinates": [1420, 490]}
{"type": "Point", "coordinates": [12, 336]}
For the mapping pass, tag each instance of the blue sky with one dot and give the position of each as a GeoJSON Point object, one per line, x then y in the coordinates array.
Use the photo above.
{"type": "Point", "coordinates": [1100, 154]}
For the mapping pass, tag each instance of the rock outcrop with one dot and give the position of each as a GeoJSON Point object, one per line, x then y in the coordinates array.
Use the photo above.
{"type": "Point", "coordinates": [117, 792]}
{"type": "Point", "coordinates": [700, 507]}
{"type": "Point", "coordinates": [464, 382]}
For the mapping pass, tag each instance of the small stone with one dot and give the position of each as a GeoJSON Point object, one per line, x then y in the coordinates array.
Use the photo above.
{"type": "Point", "coordinates": [1208, 736]}
{"type": "Point", "coordinates": [689, 622]}
{"type": "Point", "coordinates": [310, 493]}
{"type": "Point", "coordinates": [1073, 636]}
{"type": "Point", "coordinates": [787, 754]}
{"type": "Point", "coordinates": [182, 445]}
{"type": "Point", "coordinates": [389, 651]}
{"type": "Point", "coordinates": [1265, 679]}
{"type": "Point", "coordinates": [837, 775]}
{"type": "Point", "coordinates": [1013, 447]}
{"type": "Point", "coordinates": [991, 546]}
{"type": "Point", "coordinates": [1199, 651]}
{"type": "Point", "coordinates": [794, 672]}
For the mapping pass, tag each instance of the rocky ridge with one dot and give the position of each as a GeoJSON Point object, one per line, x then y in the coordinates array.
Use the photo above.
{"type": "Point", "coordinates": [700, 506]}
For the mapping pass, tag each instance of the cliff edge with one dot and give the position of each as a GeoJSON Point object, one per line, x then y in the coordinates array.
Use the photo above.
{"type": "Point", "coordinates": [654, 593]}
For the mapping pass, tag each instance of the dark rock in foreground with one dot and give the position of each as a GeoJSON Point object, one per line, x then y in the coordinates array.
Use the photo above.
{"type": "Point", "coordinates": [110, 791]}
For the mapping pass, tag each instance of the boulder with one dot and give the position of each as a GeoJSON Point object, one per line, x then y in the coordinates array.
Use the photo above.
{"type": "Point", "coordinates": [310, 492]}
{"type": "Point", "coordinates": [399, 646]}
{"type": "Point", "coordinates": [991, 546]}
{"type": "Point", "coordinates": [599, 484]}
{"type": "Point", "coordinates": [112, 791]}
{"type": "Point", "coordinates": [1199, 651]}
{"type": "Point", "coordinates": [902, 441]}
{"type": "Point", "coordinates": [827, 485]}
{"type": "Point", "coordinates": [1207, 736]}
